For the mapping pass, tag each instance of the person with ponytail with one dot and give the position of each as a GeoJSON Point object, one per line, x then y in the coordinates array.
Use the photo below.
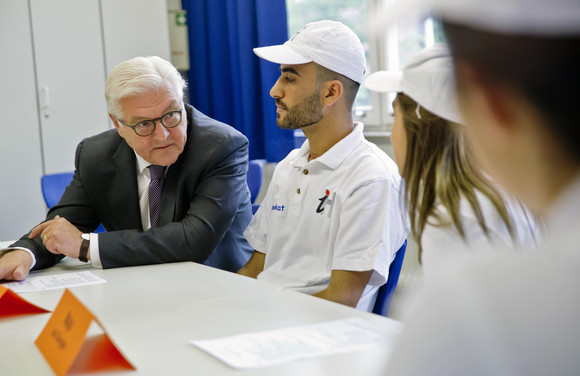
{"type": "Point", "coordinates": [453, 206]}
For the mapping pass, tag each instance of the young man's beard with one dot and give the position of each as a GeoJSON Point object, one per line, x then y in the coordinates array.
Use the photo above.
{"type": "Point", "coordinates": [304, 114]}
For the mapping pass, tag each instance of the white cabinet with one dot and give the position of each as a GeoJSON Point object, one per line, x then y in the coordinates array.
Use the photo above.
{"type": "Point", "coordinates": [21, 203]}
{"type": "Point", "coordinates": [54, 59]}
{"type": "Point", "coordinates": [135, 28]}
{"type": "Point", "coordinates": [70, 73]}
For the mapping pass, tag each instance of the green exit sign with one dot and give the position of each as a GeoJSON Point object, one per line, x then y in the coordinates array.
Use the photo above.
{"type": "Point", "coordinates": [181, 19]}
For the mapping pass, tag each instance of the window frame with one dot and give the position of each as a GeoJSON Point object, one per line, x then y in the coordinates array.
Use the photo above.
{"type": "Point", "coordinates": [385, 55]}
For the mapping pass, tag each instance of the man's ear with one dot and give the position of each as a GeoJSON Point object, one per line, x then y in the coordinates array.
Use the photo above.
{"type": "Point", "coordinates": [333, 91]}
{"type": "Point", "coordinates": [115, 123]}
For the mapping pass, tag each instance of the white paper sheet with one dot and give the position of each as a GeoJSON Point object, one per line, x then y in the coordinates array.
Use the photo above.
{"type": "Point", "coordinates": [55, 281]}
{"type": "Point", "coordinates": [261, 349]}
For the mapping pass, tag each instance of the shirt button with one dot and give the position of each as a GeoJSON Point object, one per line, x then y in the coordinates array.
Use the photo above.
{"type": "Point", "coordinates": [305, 172]}
{"type": "Point", "coordinates": [298, 191]}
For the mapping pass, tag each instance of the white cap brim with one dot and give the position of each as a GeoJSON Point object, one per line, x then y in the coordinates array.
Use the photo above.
{"type": "Point", "coordinates": [427, 78]}
{"type": "Point", "coordinates": [385, 82]}
{"type": "Point", "coordinates": [281, 54]}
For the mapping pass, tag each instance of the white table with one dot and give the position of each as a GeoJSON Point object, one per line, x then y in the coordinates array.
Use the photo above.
{"type": "Point", "coordinates": [152, 312]}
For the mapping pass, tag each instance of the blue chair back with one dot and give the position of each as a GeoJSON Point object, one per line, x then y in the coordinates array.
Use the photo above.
{"type": "Point", "coordinates": [53, 186]}
{"type": "Point", "coordinates": [386, 291]}
{"type": "Point", "coordinates": [254, 177]}
{"type": "Point", "coordinates": [255, 208]}
{"type": "Point", "coordinates": [299, 138]}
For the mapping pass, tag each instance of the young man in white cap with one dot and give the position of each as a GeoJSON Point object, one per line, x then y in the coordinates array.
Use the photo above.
{"type": "Point", "coordinates": [331, 221]}
{"type": "Point", "coordinates": [516, 65]}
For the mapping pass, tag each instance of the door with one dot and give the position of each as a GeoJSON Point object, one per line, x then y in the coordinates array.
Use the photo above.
{"type": "Point", "coordinates": [21, 204]}
{"type": "Point", "coordinates": [71, 76]}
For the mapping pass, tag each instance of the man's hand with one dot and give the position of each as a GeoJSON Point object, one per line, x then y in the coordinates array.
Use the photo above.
{"type": "Point", "coordinates": [15, 265]}
{"type": "Point", "coordinates": [59, 236]}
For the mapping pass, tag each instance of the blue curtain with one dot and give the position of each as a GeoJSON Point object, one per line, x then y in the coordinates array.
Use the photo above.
{"type": "Point", "coordinates": [227, 81]}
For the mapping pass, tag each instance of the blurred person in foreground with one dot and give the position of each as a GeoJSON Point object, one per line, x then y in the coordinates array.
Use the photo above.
{"type": "Point", "coordinates": [168, 184]}
{"type": "Point", "coordinates": [331, 221]}
{"type": "Point", "coordinates": [516, 66]}
{"type": "Point", "coordinates": [453, 207]}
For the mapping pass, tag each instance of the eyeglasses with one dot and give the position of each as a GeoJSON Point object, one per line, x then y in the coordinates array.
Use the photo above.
{"type": "Point", "coordinates": [147, 127]}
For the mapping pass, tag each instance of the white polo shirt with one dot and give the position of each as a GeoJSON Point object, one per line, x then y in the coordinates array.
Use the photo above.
{"type": "Point", "coordinates": [341, 211]}
{"type": "Point", "coordinates": [443, 243]}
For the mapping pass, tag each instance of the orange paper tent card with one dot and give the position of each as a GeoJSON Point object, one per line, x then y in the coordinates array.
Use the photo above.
{"type": "Point", "coordinates": [11, 304]}
{"type": "Point", "coordinates": [66, 346]}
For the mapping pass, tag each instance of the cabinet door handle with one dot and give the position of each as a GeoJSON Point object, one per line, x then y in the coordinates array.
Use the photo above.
{"type": "Point", "coordinates": [45, 101]}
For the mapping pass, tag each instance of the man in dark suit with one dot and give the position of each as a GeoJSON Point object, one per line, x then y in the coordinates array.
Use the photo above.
{"type": "Point", "coordinates": [168, 184]}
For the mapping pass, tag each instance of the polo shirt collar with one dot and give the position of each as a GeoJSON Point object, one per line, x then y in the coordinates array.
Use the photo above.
{"type": "Point", "coordinates": [336, 154]}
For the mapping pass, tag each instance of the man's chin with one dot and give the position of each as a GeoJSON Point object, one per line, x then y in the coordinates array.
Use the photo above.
{"type": "Point", "coordinates": [282, 124]}
{"type": "Point", "coordinates": [285, 126]}
{"type": "Point", "coordinates": [170, 157]}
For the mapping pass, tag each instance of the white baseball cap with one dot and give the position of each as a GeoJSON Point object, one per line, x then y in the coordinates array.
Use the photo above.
{"type": "Point", "coordinates": [525, 17]}
{"type": "Point", "coordinates": [330, 44]}
{"type": "Point", "coordinates": [427, 78]}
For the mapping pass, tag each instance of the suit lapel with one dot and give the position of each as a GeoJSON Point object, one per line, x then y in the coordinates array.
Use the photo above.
{"type": "Point", "coordinates": [123, 192]}
{"type": "Point", "coordinates": [169, 205]}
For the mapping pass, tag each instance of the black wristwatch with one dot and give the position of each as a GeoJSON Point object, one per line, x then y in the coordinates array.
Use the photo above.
{"type": "Point", "coordinates": [85, 245]}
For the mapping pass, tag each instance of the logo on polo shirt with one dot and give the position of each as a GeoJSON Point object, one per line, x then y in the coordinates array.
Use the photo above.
{"type": "Point", "coordinates": [325, 201]}
{"type": "Point", "coordinates": [279, 208]}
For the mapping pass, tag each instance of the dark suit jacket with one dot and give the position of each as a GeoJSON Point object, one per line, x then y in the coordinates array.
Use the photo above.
{"type": "Point", "coordinates": [206, 201]}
